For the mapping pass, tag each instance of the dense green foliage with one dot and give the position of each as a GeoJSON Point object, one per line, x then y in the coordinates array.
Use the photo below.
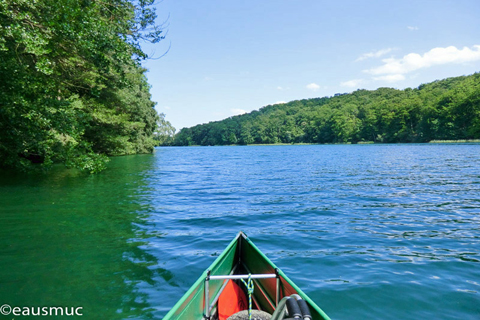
{"type": "Point", "coordinates": [443, 110]}
{"type": "Point", "coordinates": [72, 87]}
{"type": "Point", "coordinates": [165, 131]}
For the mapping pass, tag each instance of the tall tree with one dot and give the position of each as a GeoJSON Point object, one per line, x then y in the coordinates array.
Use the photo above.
{"type": "Point", "coordinates": [72, 88]}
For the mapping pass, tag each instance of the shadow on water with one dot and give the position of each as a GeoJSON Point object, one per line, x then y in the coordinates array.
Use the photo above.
{"type": "Point", "coordinates": [69, 239]}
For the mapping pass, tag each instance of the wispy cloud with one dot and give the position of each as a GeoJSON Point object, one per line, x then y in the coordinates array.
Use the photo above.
{"type": "Point", "coordinates": [283, 88]}
{"type": "Point", "coordinates": [374, 54]}
{"type": "Point", "coordinates": [436, 56]}
{"type": "Point", "coordinates": [313, 86]}
{"type": "Point", "coordinates": [280, 102]}
{"type": "Point", "coordinates": [411, 28]}
{"type": "Point", "coordinates": [237, 112]}
{"type": "Point", "coordinates": [352, 83]}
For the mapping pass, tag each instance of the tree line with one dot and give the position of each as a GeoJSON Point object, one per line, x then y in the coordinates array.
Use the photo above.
{"type": "Point", "coordinates": [72, 86]}
{"type": "Point", "coordinates": [447, 109]}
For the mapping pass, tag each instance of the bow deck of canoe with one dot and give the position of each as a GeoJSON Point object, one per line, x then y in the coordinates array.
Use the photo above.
{"type": "Point", "coordinates": [214, 289]}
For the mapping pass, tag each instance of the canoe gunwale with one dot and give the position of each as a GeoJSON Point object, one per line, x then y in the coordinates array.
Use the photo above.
{"type": "Point", "coordinates": [176, 311]}
{"type": "Point", "coordinates": [241, 256]}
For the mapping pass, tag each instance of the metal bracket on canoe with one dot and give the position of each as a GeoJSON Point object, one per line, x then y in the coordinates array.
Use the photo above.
{"type": "Point", "coordinates": [277, 295]}
{"type": "Point", "coordinates": [208, 307]}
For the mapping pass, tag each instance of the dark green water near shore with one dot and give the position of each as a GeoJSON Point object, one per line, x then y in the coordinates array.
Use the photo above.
{"type": "Point", "coordinates": [368, 231]}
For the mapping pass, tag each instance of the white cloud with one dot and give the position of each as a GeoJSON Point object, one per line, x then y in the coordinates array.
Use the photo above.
{"type": "Point", "coordinates": [352, 83]}
{"type": "Point", "coordinates": [167, 107]}
{"type": "Point", "coordinates": [283, 88]}
{"type": "Point", "coordinates": [313, 86]}
{"type": "Point", "coordinates": [374, 54]}
{"type": "Point", "coordinates": [436, 56]}
{"type": "Point", "coordinates": [237, 112]}
{"type": "Point", "coordinates": [412, 28]}
{"type": "Point", "coordinates": [390, 78]}
{"type": "Point", "coordinates": [280, 102]}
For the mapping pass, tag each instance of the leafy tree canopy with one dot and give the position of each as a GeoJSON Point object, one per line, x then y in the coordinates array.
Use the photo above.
{"type": "Point", "coordinates": [72, 87]}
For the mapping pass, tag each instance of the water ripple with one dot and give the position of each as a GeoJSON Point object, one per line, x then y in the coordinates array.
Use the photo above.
{"type": "Point", "coordinates": [382, 231]}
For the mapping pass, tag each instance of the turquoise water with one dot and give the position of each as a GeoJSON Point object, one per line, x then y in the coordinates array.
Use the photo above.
{"type": "Point", "coordinates": [367, 231]}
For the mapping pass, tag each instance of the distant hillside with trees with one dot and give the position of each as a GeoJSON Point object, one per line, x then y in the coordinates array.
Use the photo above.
{"type": "Point", "coordinates": [447, 109]}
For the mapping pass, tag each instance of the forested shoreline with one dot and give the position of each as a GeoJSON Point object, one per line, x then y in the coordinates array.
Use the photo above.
{"type": "Point", "coordinates": [447, 109]}
{"type": "Point", "coordinates": [73, 90]}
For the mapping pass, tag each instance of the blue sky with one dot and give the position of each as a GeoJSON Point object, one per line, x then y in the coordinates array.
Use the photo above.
{"type": "Point", "coordinates": [229, 57]}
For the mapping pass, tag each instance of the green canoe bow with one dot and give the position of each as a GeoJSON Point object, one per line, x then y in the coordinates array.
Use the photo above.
{"type": "Point", "coordinates": [241, 256]}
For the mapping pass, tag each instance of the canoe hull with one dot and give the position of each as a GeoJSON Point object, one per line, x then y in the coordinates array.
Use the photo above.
{"type": "Point", "coordinates": [240, 256]}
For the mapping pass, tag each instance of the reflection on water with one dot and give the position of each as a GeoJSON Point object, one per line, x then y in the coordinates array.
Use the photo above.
{"type": "Point", "coordinates": [371, 231]}
{"type": "Point", "coordinates": [71, 239]}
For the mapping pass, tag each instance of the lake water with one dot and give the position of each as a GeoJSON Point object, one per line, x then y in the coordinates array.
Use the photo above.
{"type": "Point", "coordinates": [367, 231]}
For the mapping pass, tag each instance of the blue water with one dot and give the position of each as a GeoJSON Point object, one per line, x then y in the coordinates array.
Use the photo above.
{"type": "Point", "coordinates": [367, 231]}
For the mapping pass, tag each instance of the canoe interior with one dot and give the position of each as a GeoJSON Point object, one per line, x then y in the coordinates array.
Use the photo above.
{"type": "Point", "coordinates": [242, 257]}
